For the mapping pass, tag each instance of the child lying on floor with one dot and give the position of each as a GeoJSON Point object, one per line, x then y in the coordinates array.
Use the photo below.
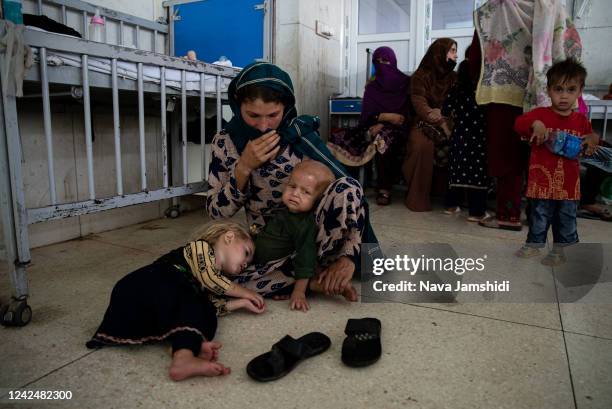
{"type": "Point", "coordinates": [292, 231]}
{"type": "Point", "coordinates": [178, 298]}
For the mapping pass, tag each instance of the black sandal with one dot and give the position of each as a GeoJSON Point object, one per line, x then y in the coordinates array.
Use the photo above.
{"type": "Point", "coordinates": [285, 355]}
{"type": "Point", "coordinates": [362, 345]}
{"type": "Point", "coordinates": [383, 199]}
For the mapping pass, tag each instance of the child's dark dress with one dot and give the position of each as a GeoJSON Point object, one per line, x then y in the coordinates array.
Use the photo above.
{"type": "Point", "coordinates": [166, 300]}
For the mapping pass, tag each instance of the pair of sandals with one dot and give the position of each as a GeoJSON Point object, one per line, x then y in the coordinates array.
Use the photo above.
{"type": "Point", "coordinates": [360, 348]}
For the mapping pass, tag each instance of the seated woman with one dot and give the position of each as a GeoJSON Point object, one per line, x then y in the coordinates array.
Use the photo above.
{"type": "Point", "coordinates": [251, 163]}
{"type": "Point", "coordinates": [383, 127]}
{"type": "Point", "coordinates": [429, 86]}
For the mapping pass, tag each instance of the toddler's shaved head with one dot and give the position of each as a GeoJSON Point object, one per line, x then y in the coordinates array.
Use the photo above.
{"type": "Point", "coordinates": [321, 173]}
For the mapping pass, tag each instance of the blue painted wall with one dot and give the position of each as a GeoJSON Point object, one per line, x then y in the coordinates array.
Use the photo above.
{"type": "Point", "coordinates": [213, 28]}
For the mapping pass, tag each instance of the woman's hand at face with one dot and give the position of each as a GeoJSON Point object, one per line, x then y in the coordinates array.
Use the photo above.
{"type": "Point", "coordinates": [259, 151]}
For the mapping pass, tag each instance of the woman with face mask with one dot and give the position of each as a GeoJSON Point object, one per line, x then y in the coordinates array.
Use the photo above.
{"type": "Point", "coordinates": [383, 125]}
{"type": "Point", "coordinates": [429, 86]}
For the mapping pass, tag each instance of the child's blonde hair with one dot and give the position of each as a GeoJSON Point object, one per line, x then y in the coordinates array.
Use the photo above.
{"type": "Point", "coordinates": [211, 231]}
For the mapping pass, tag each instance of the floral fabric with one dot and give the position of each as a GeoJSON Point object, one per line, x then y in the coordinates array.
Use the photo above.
{"type": "Point", "coordinates": [520, 40]}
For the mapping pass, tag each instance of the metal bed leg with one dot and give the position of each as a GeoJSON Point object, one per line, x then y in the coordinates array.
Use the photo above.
{"type": "Point", "coordinates": [141, 129]}
{"type": "Point", "coordinates": [205, 160]}
{"type": "Point", "coordinates": [16, 312]}
{"type": "Point", "coordinates": [87, 125]}
{"type": "Point", "coordinates": [117, 128]}
{"type": "Point", "coordinates": [12, 208]}
{"type": "Point", "coordinates": [174, 210]}
{"type": "Point", "coordinates": [219, 104]}
{"type": "Point", "coordinates": [175, 170]}
{"type": "Point", "coordinates": [164, 128]}
{"type": "Point", "coordinates": [184, 127]}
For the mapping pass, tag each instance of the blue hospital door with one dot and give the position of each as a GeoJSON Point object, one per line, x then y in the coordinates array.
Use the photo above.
{"type": "Point", "coordinates": [212, 28]}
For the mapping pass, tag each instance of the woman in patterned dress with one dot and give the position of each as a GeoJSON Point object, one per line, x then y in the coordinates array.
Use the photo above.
{"type": "Point", "coordinates": [251, 161]}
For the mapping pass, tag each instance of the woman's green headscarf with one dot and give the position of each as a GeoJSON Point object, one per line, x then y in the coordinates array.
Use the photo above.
{"type": "Point", "coordinates": [301, 132]}
{"type": "Point", "coordinates": [266, 75]}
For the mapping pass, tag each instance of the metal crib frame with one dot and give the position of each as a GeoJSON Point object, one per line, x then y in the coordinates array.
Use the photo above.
{"type": "Point", "coordinates": [606, 105]}
{"type": "Point", "coordinates": [16, 216]}
{"type": "Point", "coordinates": [125, 21]}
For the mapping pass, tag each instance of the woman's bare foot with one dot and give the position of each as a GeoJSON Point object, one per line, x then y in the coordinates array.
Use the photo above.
{"type": "Point", "coordinates": [185, 365]}
{"type": "Point", "coordinates": [349, 294]}
{"type": "Point", "coordinates": [209, 351]}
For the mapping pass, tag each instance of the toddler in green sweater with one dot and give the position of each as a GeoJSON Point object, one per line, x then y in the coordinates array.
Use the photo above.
{"type": "Point", "coordinates": [294, 230]}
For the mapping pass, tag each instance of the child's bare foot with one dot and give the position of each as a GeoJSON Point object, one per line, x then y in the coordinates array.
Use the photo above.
{"type": "Point", "coordinates": [209, 351]}
{"type": "Point", "coordinates": [185, 365]}
{"type": "Point", "coordinates": [350, 294]}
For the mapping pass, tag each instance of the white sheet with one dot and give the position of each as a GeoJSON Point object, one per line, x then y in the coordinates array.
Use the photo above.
{"type": "Point", "coordinates": [128, 70]}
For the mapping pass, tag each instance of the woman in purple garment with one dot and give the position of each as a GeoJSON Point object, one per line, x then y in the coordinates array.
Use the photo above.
{"type": "Point", "coordinates": [383, 125]}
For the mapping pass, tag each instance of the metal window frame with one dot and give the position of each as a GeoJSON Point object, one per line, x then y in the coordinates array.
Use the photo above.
{"type": "Point", "coordinates": [268, 29]}
{"type": "Point", "coordinates": [419, 36]}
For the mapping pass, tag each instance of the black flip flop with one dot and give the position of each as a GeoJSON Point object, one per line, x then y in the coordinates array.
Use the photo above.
{"type": "Point", "coordinates": [361, 347]}
{"type": "Point", "coordinates": [285, 355]}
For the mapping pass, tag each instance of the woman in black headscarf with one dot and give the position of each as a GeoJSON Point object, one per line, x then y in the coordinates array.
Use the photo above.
{"type": "Point", "coordinates": [429, 86]}
{"type": "Point", "coordinates": [251, 161]}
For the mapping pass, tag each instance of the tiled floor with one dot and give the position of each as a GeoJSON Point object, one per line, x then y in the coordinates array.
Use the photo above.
{"type": "Point", "coordinates": [454, 355]}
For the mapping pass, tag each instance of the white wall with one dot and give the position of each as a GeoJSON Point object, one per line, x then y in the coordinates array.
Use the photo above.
{"type": "Point", "coordinates": [312, 61]}
{"type": "Point", "coordinates": [595, 28]}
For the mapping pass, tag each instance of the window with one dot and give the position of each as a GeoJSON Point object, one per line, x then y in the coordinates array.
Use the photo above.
{"type": "Point", "coordinates": [449, 14]}
{"type": "Point", "coordinates": [384, 16]}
